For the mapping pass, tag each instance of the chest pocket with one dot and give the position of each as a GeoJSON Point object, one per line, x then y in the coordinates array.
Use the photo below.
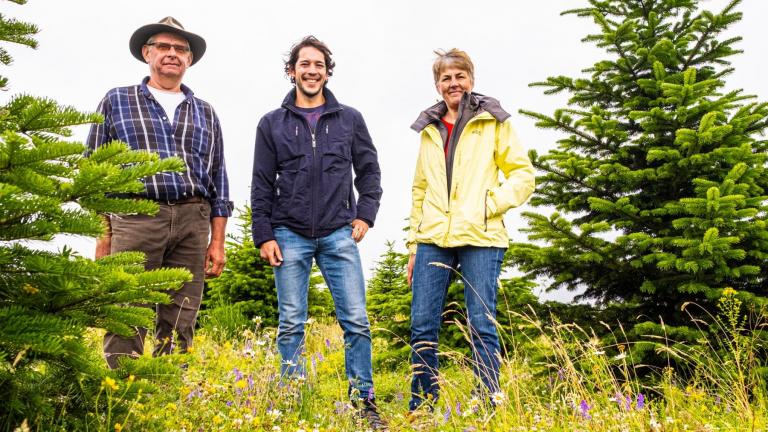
{"type": "Point", "coordinates": [337, 152]}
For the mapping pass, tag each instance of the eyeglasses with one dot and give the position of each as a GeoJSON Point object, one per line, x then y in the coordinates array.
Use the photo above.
{"type": "Point", "coordinates": [165, 47]}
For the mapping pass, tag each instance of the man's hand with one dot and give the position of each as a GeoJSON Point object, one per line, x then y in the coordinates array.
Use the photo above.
{"type": "Point", "coordinates": [270, 251]}
{"type": "Point", "coordinates": [411, 262]}
{"type": "Point", "coordinates": [215, 259]}
{"type": "Point", "coordinates": [359, 228]}
{"type": "Point", "coordinates": [104, 245]}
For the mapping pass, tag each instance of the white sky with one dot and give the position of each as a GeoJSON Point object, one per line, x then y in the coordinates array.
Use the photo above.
{"type": "Point", "coordinates": [383, 51]}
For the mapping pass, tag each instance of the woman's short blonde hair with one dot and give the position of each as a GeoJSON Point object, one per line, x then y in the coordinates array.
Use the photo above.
{"type": "Point", "coordinates": [453, 58]}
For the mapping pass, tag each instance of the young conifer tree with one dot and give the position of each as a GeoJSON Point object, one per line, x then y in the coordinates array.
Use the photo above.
{"type": "Point", "coordinates": [49, 375]}
{"type": "Point", "coordinates": [659, 184]}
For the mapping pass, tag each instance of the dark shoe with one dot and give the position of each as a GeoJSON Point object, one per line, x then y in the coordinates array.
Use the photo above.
{"type": "Point", "coordinates": [370, 414]}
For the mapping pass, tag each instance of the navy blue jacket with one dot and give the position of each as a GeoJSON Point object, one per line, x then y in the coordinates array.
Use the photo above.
{"type": "Point", "coordinates": [303, 182]}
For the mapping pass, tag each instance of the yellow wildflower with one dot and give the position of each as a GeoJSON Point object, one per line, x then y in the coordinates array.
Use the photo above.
{"type": "Point", "coordinates": [109, 383]}
{"type": "Point", "coordinates": [29, 289]}
{"type": "Point", "coordinates": [118, 427]}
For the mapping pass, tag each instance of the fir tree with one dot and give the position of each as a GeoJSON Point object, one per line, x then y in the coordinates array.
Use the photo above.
{"type": "Point", "coordinates": [48, 373]}
{"type": "Point", "coordinates": [659, 184]}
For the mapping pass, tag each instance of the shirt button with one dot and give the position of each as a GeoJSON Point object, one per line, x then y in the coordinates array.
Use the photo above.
{"type": "Point", "coordinates": [165, 118]}
{"type": "Point", "coordinates": [185, 194]}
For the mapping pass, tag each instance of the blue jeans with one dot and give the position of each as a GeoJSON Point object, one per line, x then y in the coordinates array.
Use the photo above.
{"type": "Point", "coordinates": [339, 260]}
{"type": "Point", "coordinates": [479, 268]}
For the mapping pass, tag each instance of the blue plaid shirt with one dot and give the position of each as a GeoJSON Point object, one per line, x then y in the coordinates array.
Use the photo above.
{"type": "Point", "coordinates": [133, 115]}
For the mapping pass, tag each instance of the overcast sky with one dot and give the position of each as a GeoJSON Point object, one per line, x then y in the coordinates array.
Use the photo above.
{"type": "Point", "coordinates": [383, 52]}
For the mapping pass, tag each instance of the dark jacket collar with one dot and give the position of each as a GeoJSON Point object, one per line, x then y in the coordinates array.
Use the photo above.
{"type": "Point", "coordinates": [475, 103]}
{"type": "Point", "coordinates": [331, 104]}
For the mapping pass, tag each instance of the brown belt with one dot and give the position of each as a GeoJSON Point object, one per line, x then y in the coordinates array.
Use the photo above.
{"type": "Point", "coordinates": [191, 200]}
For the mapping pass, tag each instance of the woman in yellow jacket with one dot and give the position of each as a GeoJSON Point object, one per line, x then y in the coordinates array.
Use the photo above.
{"type": "Point", "coordinates": [469, 172]}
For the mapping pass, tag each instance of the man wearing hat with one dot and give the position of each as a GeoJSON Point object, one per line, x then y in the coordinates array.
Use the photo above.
{"type": "Point", "coordinates": [162, 115]}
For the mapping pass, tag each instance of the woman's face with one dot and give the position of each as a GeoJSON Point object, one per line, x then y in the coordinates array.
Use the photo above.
{"type": "Point", "coordinates": [452, 84]}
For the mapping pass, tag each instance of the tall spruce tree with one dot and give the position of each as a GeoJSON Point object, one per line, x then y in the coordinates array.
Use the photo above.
{"type": "Point", "coordinates": [49, 376]}
{"type": "Point", "coordinates": [659, 184]}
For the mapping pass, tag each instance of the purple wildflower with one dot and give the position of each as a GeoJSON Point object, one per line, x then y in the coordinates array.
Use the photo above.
{"type": "Point", "coordinates": [447, 414]}
{"type": "Point", "coordinates": [458, 408]}
{"type": "Point", "coordinates": [328, 343]}
{"type": "Point", "coordinates": [585, 407]}
{"type": "Point", "coordinates": [399, 396]}
{"type": "Point", "coordinates": [628, 403]}
{"type": "Point", "coordinates": [640, 404]}
{"type": "Point", "coordinates": [320, 356]}
{"type": "Point", "coordinates": [238, 374]}
{"type": "Point", "coordinates": [314, 362]}
{"type": "Point", "coordinates": [229, 403]}
{"type": "Point", "coordinates": [371, 395]}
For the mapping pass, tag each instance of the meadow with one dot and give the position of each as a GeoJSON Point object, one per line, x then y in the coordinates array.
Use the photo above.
{"type": "Point", "coordinates": [562, 379]}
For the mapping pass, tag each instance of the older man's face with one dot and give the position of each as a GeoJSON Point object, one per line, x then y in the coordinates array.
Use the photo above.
{"type": "Point", "coordinates": [168, 55]}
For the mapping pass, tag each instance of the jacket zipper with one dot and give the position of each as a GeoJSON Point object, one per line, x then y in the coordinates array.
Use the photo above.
{"type": "Point", "coordinates": [315, 172]}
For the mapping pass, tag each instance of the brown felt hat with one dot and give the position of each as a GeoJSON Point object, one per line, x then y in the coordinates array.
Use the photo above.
{"type": "Point", "coordinates": [166, 25]}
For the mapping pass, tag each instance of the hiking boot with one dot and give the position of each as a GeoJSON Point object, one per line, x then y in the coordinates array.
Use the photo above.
{"type": "Point", "coordinates": [370, 414]}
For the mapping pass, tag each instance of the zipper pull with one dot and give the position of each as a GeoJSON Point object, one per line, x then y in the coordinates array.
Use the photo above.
{"type": "Point", "coordinates": [297, 130]}
{"type": "Point", "coordinates": [326, 129]}
{"type": "Point", "coordinates": [314, 143]}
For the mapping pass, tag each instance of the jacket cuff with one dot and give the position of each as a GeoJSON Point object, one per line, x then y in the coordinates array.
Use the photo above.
{"type": "Point", "coordinates": [368, 216]}
{"type": "Point", "coordinates": [262, 235]}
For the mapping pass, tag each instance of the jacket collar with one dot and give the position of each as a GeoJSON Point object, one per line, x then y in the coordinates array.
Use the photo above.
{"type": "Point", "coordinates": [331, 104]}
{"type": "Point", "coordinates": [471, 104]}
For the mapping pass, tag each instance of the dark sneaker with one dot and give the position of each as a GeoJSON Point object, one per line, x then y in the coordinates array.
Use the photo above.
{"type": "Point", "coordinates": [370, 414]}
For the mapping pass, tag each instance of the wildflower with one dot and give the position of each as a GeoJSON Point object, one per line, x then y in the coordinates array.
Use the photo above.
{"type": "Point", "coordinates": [29, 289]}
{"type": "Point", "coordinates": [237, 423]}
{"type": "Point", "coordinates": [640, 403]}
{"type": "Point", "coordinates": [458, 408]}
{"type": "Point", "coordinates": [327, 343]}
{"type": "Point", "coordinates": [109, 383]}
{"type": "Point", "coordinates": [131, 378]}
{"type": "Point", "coordinates": [598, 352]}
{"type": "Point", "coordinates": [170, 406]}
{"type": "Point", "coordinates": [621, 356]}
{"type": "Point", "coordinates": [585, 407]}
{"type": "Point", "coordinates": [497, 398]}
{"type": "Point", "coordinates": [118, 427]}
{"type": "Point", "coordinates": [261, 342]}
{"type": "Point", "coordinates": [256, 320]}
{"type": "Point", "coordinates": [241, 384]}
{"type": "Point", "coordinates": [399, 396]}
{"type": "Point", "coordinates": [274, 413]}
{"type": "Point", "coordinates": [276, 428]}
{"type": "Point", "coordinates": [447, 414]}
{"type": "Point", "coordinates": [729, 292]}
{"type": "Point", "coordinates": [217, 419]}
{"type": "Point", "coordinates": [190, 349]}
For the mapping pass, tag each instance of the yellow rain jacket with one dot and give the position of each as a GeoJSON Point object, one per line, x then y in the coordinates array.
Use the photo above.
{"type": "Point", "coordinates": [482, 146]}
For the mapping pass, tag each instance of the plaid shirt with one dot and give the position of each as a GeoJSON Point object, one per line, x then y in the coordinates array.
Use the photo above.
{"type": "Point", "coordinates": [133, 115]}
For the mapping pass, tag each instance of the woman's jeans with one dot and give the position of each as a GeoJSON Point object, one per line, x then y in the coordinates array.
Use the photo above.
{"type": "Point", "coordinates": [339, 260]}
{"type": "Point", "coordinates": [479, 269]}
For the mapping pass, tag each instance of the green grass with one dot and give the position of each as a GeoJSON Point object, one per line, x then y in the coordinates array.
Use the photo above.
{"type": "Point", "coordinates": [232, 384]}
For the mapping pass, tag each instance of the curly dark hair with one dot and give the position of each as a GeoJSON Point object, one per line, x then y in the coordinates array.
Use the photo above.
{"type": "Point", "coordinates": [309, 41]}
